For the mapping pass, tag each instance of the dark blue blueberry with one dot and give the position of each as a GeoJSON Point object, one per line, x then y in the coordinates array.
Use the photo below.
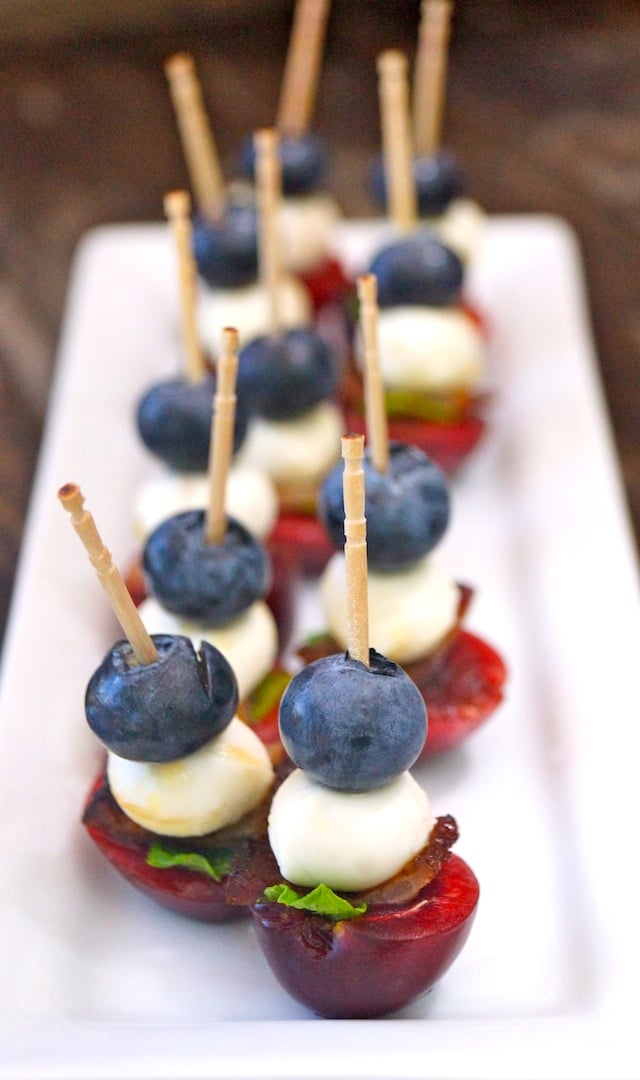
{"type": "Point", "coordinates": [439, 180]}
{"type": "Point", "coordinates": [419, 271]}
{"type": "Point", "coordinates": [351, 727]}
{"type": "Point", "coordinates": [407, 507]}
{"type": "Point", "coordinates": [174, 421]}
{"type": "Point", "coordinates": [165, 710]}
{"type": "Point", "coordinates": [226, 251]}
{"type": "Point", "coordinates": [438, 177]}
{"type": "Point", "coordinates": [303, 159]}
{"type": "Point", "coordinates": [210, 583]}
{"type": "Point", "coordinates": [287, 374]}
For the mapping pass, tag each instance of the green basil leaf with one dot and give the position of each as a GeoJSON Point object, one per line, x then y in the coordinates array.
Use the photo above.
{"type": "Point", "coordinates": [214, 865]}
{"type": "Point", "coordinates": [320, 901]}
{"type": "Point", "coordinates": [267, 694]}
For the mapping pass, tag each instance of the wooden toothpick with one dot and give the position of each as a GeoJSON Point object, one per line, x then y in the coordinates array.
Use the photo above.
{"type": "Point", "coordinates": [198, 144]}
{"type": "Point", "coordinates": [269, 194]}
{"type": "Point", "coordinates": [221, 447]}
{"type": "Point", "coordinates": [355, 549]}
{"type": "Point", "coordinates": [177, 207]}
{"type": "Point", "coordinates": [109, 576]}
{"type": "Point", "coordinates": [430, 74]}
{"type": "Point", "coordinates": [396, 139]}
{"type": "Point", "coordinates": [304, 56]}
{"type": "Point", "coordinates": [375, 412]}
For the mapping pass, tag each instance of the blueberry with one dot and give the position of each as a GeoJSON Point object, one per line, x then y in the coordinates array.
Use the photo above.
{"type": "Point", "coordinates": [165, 710]}
{"type": "Point", "coordinates": [210, 583]}
{"type": "Point", "coordinates": [419, 271]}
{"type": "Point", "coordinates": [438, 178]}
{"type": "Point", "coordinates": [351, 727]}
{"type": "Point", "coordinates": [174, 421]}
{"type": "Point", "coordinates": [286, 375]}
{"type": "Point", "coordinates": [226, 251]}
{"type": "Point", "coordinates": [303, 159]}
{"type": "Point", "coordinates": [407, 507]}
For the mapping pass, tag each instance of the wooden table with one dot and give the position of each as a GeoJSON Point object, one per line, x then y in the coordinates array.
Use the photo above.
{"type": "Point", "coordinates": [543, 109]}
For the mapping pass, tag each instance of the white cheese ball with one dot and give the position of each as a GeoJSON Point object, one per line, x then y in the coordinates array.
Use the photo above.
{"type": "Point", "coordinates": [461, 227]}
{"type": "Point", "coordinates": [248, 309]}
{"type": "Point", "coordinates": [250, 497]}
{"type": "Point", "coordinates": [306, 224]}
{"type": "Point", "coordinates": [291, 451]}
{"type": "Point", "coordinates": [410, 611]}
{"type": "Point", "coordinates": [249, 643]}
{"type": "Point", "coordinates": [347, 840]}
{"type": "Point", "coordinates": [211, 788]}
{"type": "Point", "coordinates": [430, 348]}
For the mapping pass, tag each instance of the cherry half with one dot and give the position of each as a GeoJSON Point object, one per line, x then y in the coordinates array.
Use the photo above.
{"type": "Point", "coordinates": [378, 962]}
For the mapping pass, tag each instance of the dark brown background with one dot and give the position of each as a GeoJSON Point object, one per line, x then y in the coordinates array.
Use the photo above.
{"type": "Point", "coordinates": [543, 110]}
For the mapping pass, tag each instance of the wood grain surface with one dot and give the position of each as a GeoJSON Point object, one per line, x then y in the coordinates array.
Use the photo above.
{"type": "Point", "coordinates": [543, 109]}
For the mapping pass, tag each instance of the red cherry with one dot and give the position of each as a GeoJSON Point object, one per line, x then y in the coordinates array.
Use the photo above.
{"type": "Point", "coordinates": [302, 541]}
{"type": "Point", "coordinates": [446, 444]}
{"type": "Point", "coordinates": [182, 890]}
{"type": "Point", "coordinates": [462, 685]}
{"type": "Point", "coordinates": [378, 962]}
{"type": "Point", "coordinates": [327, 283]}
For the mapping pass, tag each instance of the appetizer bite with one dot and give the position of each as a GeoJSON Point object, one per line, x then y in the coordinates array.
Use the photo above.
{"type": "Point", "coordinates": [180, 807]}
{"type": "Point", "coordinates": [308, 213]}
{"type": "Point", "coordinates": [207, 576]}
{"type": "Point", "coordinates": [415, 607]}
{"type": "Point", "coordinates": [225, 230]}
{"type": "Point", "coordinates": [439, 181]}
{"type": "Point", "coordinates": [389, 907]}
{"type": "Point", "coordinates": [174, 420]}
{"type": "Point", "coordinates": [290, 376]}
{"type": "Point", "coordinates": [432, 345]}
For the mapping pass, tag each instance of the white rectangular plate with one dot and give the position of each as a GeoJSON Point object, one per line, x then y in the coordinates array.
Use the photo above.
{"type": "Point", "coordinates": [98, 982]}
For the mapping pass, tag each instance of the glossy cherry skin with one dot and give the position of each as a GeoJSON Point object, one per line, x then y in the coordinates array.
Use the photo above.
{"type": "Point", "coordinates": [285, 375]}
{"type": "Point", "coordinates": [439, 180]}
{"type": "Point", "coordinates": [226, 251]}
{"type": "Point", "coordinates": [419, 271]}
{"type": "Point", "coordinates": [303, 159]}
{"type": "Point", "coordinates": [210, 583]}
{"type": "Point", "coordinates": [407, 507]}
{"type": "Point", "coordinates": [374, 964]}
{"type": "Point", "coordinates": [164, 710]}
{"type": "Point", "coordinates": [174, 421]}
{"type": "Point", "coordinates": [352, 727]}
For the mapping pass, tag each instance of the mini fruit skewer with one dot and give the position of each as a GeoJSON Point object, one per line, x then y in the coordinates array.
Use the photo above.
{"type": "Point", "coordinates": [438, 181]}
{"type": "Point", "coordinates": [174, 418]}
{"type": "Point", "coordinates": [416, 608]}
{"type": "Point", "coordinates": [389, 907]}
{"type": "Point", "coordinates": [431, 344]}
{"type": "Point", "coordinates": [174, 421]}
{"type": "Point", "coordinates": [225, 238]}
{"type": "Point", "coordinates": [291, 377]}
{"type": "Point", "coordinates": [180, 809]}
{"type": "Point", "coordinates": [206, 574]}
{"type": "Point", "coordinates": [307, 215]}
